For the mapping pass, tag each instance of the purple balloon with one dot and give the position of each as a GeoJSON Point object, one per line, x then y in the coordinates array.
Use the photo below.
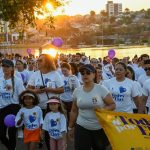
{"type": "Point", "coordinates": [58, 42]}
{"type": "Point", "coordinates": [9, 120]}
{"type": "Point", "coordinates": [111, 53]}
{"type": "Point", "coordinates": [29, 50]}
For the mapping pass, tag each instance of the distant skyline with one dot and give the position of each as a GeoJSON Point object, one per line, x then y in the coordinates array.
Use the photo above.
{"type": "Point", "coordinates": [85, 6]}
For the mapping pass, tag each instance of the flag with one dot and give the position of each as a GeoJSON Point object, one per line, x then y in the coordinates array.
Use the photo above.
{"type": "Point", "coordinates": [126, 131]}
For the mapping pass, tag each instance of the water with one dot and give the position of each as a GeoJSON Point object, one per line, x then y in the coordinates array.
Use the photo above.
{"type": "Point", "coordinates": [92, 52]}
{"type": "Point", "coordinates": [120, 52]}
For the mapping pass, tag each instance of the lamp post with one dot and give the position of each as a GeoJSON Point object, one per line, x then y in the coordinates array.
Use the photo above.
{"type": "Point", "coordinates": [102, 30]}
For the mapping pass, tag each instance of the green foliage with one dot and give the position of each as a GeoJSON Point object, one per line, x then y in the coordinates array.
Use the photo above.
{"type": "Point", "coordinates": [15, 11]}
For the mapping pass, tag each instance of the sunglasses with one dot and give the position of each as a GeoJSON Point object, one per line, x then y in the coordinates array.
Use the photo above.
{"type": "Point", "coordinates": [148, 68]}
{"type": "Point", "coordinates": [87, 72]}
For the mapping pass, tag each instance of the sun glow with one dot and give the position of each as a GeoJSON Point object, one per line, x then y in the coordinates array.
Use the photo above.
{"type": "Point", "coordinates": [50, 51]}
{"type": "Point", "coordinates": [49, 6]}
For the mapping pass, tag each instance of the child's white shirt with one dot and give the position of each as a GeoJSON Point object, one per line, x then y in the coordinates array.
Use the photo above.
{"type": "Point", "coordinates": [55, 124]}
{"type": "Point", "coordinates": [32, 119]}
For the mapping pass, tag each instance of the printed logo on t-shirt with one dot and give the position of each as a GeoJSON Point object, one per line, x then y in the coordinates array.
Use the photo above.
{"type": "Point", "coordinates": [94, 100]}
{"type": "Point", "coordinates": [6, 95]}
{"type": "Point", "coordinates": [54, 131]}
{"type": "Point", "coordinates": [32, 119]}
{"type": "Point", "coordinates": [66, 86]}
{"type": "Point", "coordinates": [120, 96]}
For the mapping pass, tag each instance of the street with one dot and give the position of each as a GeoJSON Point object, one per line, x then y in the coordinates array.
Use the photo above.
{"type": "Point", "coordinates": [20, 146]}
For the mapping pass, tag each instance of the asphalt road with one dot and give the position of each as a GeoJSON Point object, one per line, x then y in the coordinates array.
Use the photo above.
{"type": "Point", "coordinates": [20, 146]}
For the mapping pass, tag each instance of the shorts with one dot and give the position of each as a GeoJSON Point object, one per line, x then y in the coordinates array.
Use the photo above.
{"type": "Point", "coordinates": [32, 135]}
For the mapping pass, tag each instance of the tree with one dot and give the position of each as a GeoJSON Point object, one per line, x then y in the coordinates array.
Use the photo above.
{"type": "Point", "coordinates": [92, 16]}
{"type": "Point", "coordinates": [127, 11]}
{"type": "Point", "coordinates": [14, 11]}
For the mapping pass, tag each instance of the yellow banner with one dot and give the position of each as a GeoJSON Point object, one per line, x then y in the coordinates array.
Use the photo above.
{"type": "Point", "coordinates": [126, 131]}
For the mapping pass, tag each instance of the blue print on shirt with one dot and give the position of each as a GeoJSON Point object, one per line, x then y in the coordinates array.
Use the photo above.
{"type": "Point", "coordinates": [122, 89]}
{"type": "Point", "coordinates": [31, 125]}
{"type": "Point", "coordinates": [119, 97]}
{"type": "Point", "coordinates": [53, 123]}
{"type": "Point", "coordinates": [6, 96]}
{"type": "Point", "coordinates": [46, 80]}
{"type": "Point", "coordinates": [54, 132]}
{"type": "Point", "coordinates": [66, 87]}
{"type": "Point", "coordinates": [32, 118]}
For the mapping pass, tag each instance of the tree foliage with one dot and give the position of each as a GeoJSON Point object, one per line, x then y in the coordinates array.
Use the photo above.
{"type": "Point", "coordinates": [25, 10]}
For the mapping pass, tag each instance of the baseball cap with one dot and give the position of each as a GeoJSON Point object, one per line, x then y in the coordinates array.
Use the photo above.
{"type": "Point", "coordinates": [87, 67]}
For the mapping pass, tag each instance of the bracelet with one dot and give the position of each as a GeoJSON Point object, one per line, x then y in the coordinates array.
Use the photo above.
{"type": "Point", "coordinates": [69, 129]}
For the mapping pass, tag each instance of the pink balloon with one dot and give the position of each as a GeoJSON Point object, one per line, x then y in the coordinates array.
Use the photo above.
{"type": "Point", "coordinates": [111, 53]}
{"type": "Point", "coordinates": [29, 50]}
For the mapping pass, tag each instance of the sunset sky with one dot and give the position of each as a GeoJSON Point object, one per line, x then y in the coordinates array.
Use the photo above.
{"type": "Point", "coordinates": [85, 6]}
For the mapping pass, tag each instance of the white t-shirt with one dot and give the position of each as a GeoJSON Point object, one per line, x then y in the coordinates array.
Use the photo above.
{"type": "Point", "coordinates": [52, 77]}
{"type": "Point", "coordinates": [7, 97]}
{"type": "Point", "coordinates": [24, 76]}
{"type": "Point", "coordinates": [143, 78]}
{"type": "Point", "coordinates": [32, 117]}
{"type": "Point", "coordinates": [137, 84]}
{"type": "Point", "coordinates": [70, 83]}
{"type": "Point", "coordinates": [86, 102]}
{"type": "Point", "coordinates": [122, 93]}
{"type": "Point", "coordinates": [106, 73]}
{"type": "Point", "coordinates": [30, 73]}
{"type": "Point", "coordinates": [55, 123]}
{"type": "Point", "coordinates": [138, 72]}
{"type": "Point", "coordinates": [146, 91]}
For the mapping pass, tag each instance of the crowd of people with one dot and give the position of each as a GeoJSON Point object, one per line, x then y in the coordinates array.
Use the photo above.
{"type": "Point", "coordinates": [54, 99]}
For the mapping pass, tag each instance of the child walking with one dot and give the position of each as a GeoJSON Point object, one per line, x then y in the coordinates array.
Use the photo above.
{"type": "Point", "coordinates": [55, 124]}
{"type": "Point", "coordinates": [30, 115]}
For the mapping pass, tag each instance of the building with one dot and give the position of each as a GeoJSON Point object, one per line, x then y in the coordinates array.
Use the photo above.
{"type": "Point", "coordinates": [113, 9]}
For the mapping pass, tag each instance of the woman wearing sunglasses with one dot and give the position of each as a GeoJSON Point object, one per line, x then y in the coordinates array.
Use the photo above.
{"type": "Point", "coordinates": [46, 82]}
{"type": "Point", "coordinates": [10, 88]}
{"type": "Point", "coordinates": [88, 132]}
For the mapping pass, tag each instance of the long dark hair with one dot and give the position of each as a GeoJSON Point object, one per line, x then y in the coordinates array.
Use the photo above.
{"type": "Point", "coordinates": [132, 71]}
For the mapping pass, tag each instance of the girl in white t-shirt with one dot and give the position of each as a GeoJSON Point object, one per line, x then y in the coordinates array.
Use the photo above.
{"type": "Point", "coordinates": [30, 115]}
{"type": "Point", "coordinates": [55, 124]}
{"type": "Point", "coordinates": [70, 83]}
